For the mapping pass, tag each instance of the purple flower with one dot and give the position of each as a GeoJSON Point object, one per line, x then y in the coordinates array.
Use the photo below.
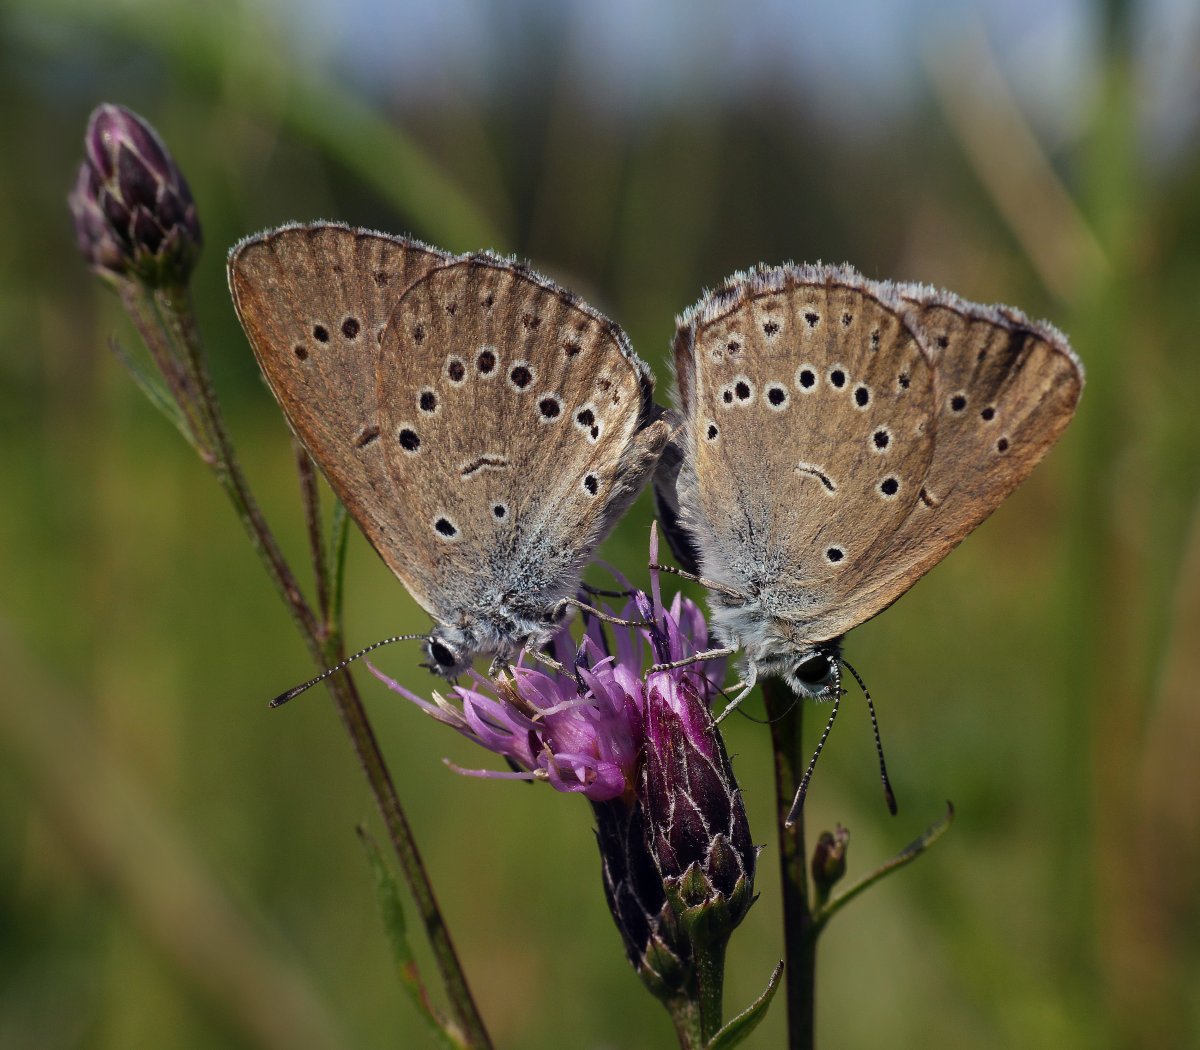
{"type": "Point", "coordinates": [677, 860]}
{"type": "Point", "coordinates": [583, 731]}
{"type": "Point", "coordinates": [134, 214]}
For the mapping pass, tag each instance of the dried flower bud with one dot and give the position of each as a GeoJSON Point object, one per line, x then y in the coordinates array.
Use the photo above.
{"type": "Point", "coordinates": [134, 214]}
{"type": "Point", "coordinates": [829, 860]}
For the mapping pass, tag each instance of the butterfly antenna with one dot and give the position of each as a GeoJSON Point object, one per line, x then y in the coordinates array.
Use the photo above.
{"type": "Point", "coordinates": [802, 790]}
{"type": "Point", "coordinates": [888, 794]}
{"type": "Point", "coordinates": [296, 690]}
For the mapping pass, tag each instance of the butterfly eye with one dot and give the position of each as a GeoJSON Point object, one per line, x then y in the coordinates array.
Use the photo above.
{"type": "Point", "coordinates": [815, 672]}
{"type": "Point", "coordinates": [442, 654]}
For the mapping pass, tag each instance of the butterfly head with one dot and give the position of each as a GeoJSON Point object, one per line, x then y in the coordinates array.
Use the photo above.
{"type": "Point", "coordinates": [450, 650]}
{"type": "Point", "coordinates": [811, 672]}
{"type": "Point", "coordinates": [816, 675]}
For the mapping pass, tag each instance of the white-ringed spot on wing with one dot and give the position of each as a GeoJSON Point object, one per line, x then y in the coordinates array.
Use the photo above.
{"type": "Point", "coordinates": [446, 529]}
{"type": "Point", "coordinates": [834, 554]}
{"type": "Point", "coordinates": [738, 392]}
{"type": "Point", "coordinates": [409, 440]}
{"type": "Point", "coordinates": [549, 408]}
{"type": "Point", "coordinates": [499, 511]}
{"type": "Point", "coordinates": [881, 440]}
{"type": "Point", "coordinates": [777, 397]}
{"type": "Point", "coordinates": [837, 376]}
{"type": "Point", "coordinates": [590, 484]}
{"type": "Point", "coordinates": [520, 376]}
{"type": "Point", "coordinates": [862, 396]}
{"type": "Point", "coordinates": [711, 432]}
{"type": "Point", "coordinates": [806, 378]}
{"type": "Point", "coordinates": [486, 361]}
{"type": "Point", "coordinates": [456, 370]}
{"type": "Point", "coordinates": [888, 487]}
{"type": "Point", "coordinates": [585, 420]}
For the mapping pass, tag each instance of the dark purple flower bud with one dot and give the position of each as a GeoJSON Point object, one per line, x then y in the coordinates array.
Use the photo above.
{"type": "Point", "coordinates": [634, 891]}
{"type": "Point", "coordinates": [134, 214]}
{"type": "Point", "coordinates": [829, 860]}
{"type": "Point", "coordinates": [696, 824]}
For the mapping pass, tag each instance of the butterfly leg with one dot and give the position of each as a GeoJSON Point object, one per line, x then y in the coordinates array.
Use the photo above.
{"type": "Point", "coordinates": [599, 592]}
{"type": "Point", "coordinates": [591, 610]}
{"type": "Point", "coordinates": [708, 654]}
{"type": "Point", "coordinates": [546, 661]}
{"type": "Point", "coordinates": [712, 585]}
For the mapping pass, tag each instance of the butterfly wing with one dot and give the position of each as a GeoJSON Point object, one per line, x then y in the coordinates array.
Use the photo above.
{"type": "Point", "coordinates": [515, 425]}
{"type": "Point", "coordinates": [785, 377]}
{"type": "Point", "coordinates": [842, 467]}
{"type": "Point", "coordinates": [1004, 390]}
{"type": "Point", "coordinates": [314, 301]}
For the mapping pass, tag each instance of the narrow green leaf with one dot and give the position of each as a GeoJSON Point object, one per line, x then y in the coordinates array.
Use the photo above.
{"type": "Point", "coordinates": [154, 390]}
{"type": "Point", "coordinates": [338, 533]}
{"type": "Point", "coordinates": [392, 908]}
{"type": "Point", "coordinates": [749, 1019]}
{"type": "Point", "coordinates": [906, 856]}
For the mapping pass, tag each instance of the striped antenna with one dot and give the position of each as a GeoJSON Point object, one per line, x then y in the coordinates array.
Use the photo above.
{"type": "Point", "coordinates": [296, 690]}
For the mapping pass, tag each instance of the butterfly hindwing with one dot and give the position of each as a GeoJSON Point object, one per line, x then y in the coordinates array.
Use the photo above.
{"type": "Point", "coordinates": [1005, 388]}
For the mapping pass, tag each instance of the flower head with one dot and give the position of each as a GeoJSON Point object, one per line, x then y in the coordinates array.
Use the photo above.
{"type": "Point", "coordinates": [583, 730]}
{"type": "Point", "coordinates": [134, 214]}
{"type": "Point", "coordinates": [677, 860]}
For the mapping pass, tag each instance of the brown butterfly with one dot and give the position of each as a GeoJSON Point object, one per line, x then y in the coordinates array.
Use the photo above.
{"type": "Point", "coordinates": [840, 437]}
{"type": "Point", "coordinates": [483, 426]}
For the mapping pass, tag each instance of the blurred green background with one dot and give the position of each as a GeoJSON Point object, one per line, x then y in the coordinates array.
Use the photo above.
{"type": "Point", "coordinates": [178, 865]}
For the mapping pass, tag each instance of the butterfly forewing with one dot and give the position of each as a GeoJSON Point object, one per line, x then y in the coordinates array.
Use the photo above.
{"type": "Point", "coordinates": [508, 414]}
{"type": "Point", "coordinates": [809, 431]}
{"type": "Point", "coordinates": [314, 301]}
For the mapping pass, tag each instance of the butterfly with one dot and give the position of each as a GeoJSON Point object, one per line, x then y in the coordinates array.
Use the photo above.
{"type": "Point", "coordinates": [484, 427]}
{"type": "Point", "coordinates": [840, 436]}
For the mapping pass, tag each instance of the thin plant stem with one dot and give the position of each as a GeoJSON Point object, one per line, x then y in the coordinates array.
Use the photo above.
{"type": "Point", "coordinates": [685, 1015]}
{"type": "Point", "coordinates": [710, 983]}
{"type": "Point", "coordinates": [310, 498]}
{"type": "Point", "coordinates": [177, 325]}
{"type": "Point", "coordinates": [785, 712]}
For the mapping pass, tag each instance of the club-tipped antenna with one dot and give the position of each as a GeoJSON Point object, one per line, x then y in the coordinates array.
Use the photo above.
{"type": "Point", "coordinates": [296, 690]}
{"type": "Point", "coordinates": [888, 794]}
{"type": "Point", "coordinates": [802, 790]}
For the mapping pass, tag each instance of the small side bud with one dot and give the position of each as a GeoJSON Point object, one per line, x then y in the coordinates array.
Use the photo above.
{"type": "Point", "coordinates": [134, 214]}
{"type": "Point", "coordinates": [829, 860]}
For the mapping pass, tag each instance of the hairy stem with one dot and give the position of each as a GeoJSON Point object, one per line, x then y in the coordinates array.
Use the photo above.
{"type": "Point", "coordinates": [785, 712]}
{"type": "Point", "coordinates": [174, 335]}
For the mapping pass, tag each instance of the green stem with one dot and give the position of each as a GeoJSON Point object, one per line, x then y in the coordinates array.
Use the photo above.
{"type": "Point", "coordinates": [311, 500]}
{"type": "Point", "coordinates": [177, 330]}
{"type": "Point", "coordinates": [710, 985]}
{"type": "Point", "coordinates": [785, 713]}
{"type": "Point", "coordinates": [685, 1013]}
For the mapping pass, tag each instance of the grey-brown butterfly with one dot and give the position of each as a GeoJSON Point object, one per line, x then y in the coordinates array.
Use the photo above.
{"type": "Point", "coordinates": [483, 426]}
{"type": "Point", "coordinates": [840, 437]}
